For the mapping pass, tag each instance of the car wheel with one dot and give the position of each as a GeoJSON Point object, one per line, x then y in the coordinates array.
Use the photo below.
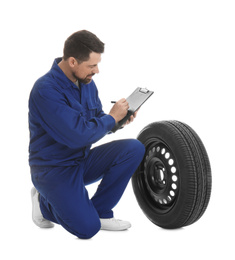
{"type": "Point", "coordinates": [173, 182]}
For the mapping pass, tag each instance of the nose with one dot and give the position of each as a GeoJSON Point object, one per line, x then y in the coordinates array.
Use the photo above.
{"type": "Point", "coordinates": [96, 70]}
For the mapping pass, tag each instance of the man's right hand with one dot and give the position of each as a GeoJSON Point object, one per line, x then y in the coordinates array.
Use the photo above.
{"type": "Point", "coordinates": [119, 110]}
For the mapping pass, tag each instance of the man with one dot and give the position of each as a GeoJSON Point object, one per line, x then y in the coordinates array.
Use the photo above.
{"type": "Point", "coordinates": [65, 119]}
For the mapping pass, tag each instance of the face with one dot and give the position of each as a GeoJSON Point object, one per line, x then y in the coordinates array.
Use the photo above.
{"type": "Point", "coordinates": [83, 72]}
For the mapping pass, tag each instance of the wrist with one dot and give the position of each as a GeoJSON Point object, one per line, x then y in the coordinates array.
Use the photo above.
{"type": "Point", "coordinates": [113, 117]}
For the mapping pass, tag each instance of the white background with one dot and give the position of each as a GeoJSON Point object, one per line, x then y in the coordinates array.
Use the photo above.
{"type": "Point", "coordinates": [184, 51]}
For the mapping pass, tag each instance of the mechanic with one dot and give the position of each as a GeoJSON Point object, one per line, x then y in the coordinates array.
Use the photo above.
{"type": "Point", "coordinates": [65, 119]}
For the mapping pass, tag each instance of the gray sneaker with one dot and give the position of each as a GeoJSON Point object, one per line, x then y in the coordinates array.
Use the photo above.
{"type": "Point", "coordinates": [112, 224]}
{"type": "Point", "coordinates": [37, 216]}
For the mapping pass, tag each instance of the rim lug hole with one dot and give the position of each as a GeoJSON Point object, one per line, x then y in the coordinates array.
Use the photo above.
{"type": "Point", "coordinates": [171, 162]}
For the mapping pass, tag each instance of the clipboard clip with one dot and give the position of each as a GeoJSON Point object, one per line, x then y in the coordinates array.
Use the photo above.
{"type": "Point", "coordinates": [143, 90]}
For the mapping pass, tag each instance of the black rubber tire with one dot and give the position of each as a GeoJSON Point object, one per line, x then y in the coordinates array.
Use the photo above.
{"type": "Point", "coordinates": [173, 182]}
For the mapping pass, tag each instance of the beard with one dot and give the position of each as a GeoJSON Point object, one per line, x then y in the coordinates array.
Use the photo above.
{"type": "Point", "coordinates": [85, 80]}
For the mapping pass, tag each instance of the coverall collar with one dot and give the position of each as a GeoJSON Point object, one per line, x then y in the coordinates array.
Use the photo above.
{"type": "Point", "coordinates": [56, 70]}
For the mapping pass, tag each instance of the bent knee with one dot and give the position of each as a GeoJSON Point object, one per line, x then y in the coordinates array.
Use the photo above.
{"type": "Point", "coordinates": [89, 230]}
{"type": "Point", "coordinates": [136, 146]}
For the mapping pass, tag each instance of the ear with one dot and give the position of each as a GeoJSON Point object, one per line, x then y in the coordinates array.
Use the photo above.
{"type": "Point", "coordinates": [72, 61]}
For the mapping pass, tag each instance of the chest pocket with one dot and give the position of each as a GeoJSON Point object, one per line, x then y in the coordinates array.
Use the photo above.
{"type": "Point", "coordinates": [92, 108]}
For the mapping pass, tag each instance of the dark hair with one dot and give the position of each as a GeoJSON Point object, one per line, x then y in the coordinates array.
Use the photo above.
{"type": "Point", "coordinates": [80, 44]}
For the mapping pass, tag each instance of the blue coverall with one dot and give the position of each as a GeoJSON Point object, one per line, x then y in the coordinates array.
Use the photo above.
{"type": "Point", "coordinates": [64, 121]}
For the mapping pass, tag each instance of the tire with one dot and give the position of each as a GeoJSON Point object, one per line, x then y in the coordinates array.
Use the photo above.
{"type": "Point", "coordinates": [173, 182]}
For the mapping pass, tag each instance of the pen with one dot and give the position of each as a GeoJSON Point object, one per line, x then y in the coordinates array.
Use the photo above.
{"type": "Point", "coordinates": [113, 102]}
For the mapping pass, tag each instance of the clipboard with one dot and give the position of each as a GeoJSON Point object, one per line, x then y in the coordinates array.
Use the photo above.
{"type": "Point", "coordinates": [135, 100]}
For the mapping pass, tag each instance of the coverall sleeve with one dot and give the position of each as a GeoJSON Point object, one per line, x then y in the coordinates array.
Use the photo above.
{"type": "Point", "coordinates": [65, 124]}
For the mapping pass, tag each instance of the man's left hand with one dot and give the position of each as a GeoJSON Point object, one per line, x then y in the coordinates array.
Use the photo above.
{"type": "Point", "coordinates": [131, 119]}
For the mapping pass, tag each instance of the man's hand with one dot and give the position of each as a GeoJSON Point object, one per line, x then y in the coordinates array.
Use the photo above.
{"type": "Point", "coordinates": [119, 110]}
{"type": "Point", "coordinates": [131, 118]}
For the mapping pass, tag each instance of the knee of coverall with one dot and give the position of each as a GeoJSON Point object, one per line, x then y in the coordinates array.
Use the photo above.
{"type": "Point", "coordinates": [137, 147]}
{"type": "Point", "coordinates": [89, 229]}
